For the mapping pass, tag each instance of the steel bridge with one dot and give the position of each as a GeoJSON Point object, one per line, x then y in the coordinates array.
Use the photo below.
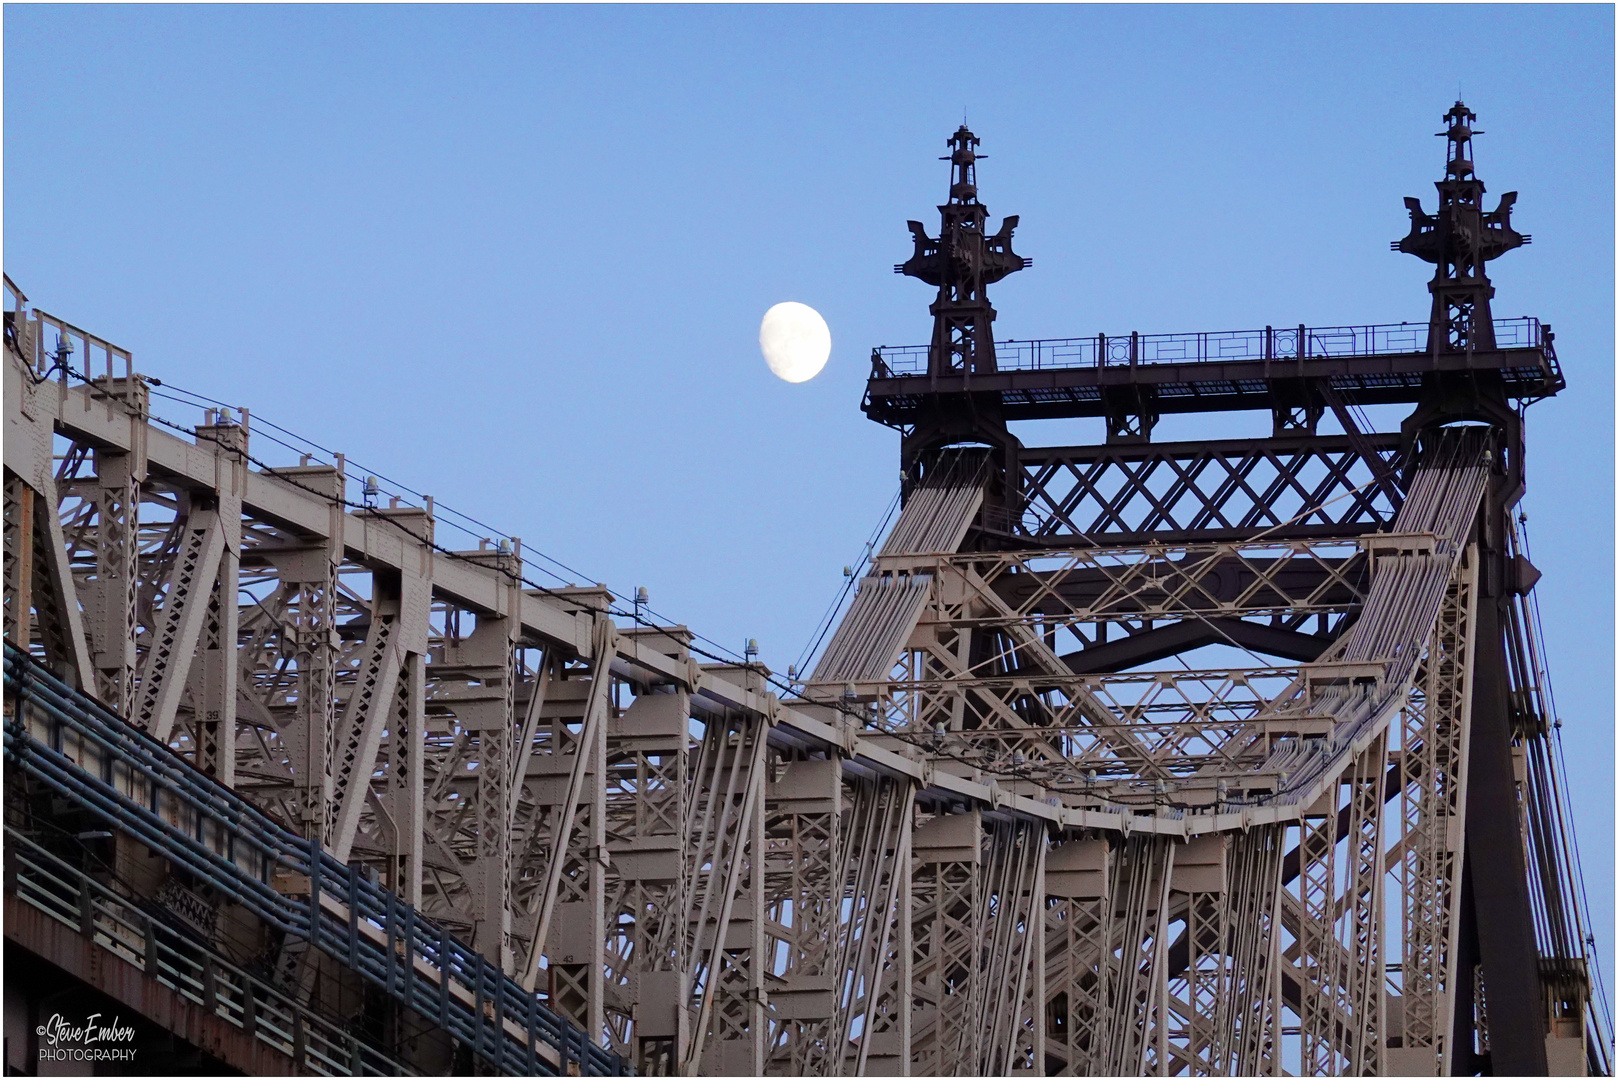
{"type": "Point", "coordinates": [320, 793]}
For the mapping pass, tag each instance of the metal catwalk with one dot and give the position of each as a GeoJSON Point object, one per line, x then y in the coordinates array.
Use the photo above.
{"type": "Point", "coordinates": [1140, 757]}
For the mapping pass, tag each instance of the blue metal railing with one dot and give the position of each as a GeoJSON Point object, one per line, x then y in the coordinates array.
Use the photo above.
{"type": "Point", "coordinates": [85, 752]}
{"type": "Point", "coordinates": [175, 959]}
{"type": "Point", "coordinates": [1269, 343]}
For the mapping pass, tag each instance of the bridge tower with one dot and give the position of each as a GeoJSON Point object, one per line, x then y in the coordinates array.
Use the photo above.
{"type": "Point", "coordinates": [1385, 742]}
{"type": "Point", "coordinates": [1460, 239]}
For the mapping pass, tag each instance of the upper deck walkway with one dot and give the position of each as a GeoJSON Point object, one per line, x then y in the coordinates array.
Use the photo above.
{"type": "Point", "coordinates": [1212, 371]}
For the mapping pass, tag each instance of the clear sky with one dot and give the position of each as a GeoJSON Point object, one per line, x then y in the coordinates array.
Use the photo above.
{"type": "Point", "coordinates": [516, 257]}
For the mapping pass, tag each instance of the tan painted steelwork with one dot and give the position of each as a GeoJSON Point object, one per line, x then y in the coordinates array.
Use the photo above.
{"type": "Point", "coordinates": [989, 834]}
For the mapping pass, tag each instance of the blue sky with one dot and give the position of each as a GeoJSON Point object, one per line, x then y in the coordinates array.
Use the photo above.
{"type": "Point", "coordinates": [516, 257]}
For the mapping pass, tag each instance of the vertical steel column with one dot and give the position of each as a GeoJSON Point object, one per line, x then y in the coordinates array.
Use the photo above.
{"type": "Point", "coordinates": [1013, 1017]}
{"type": "Point", "coordinates": [1246, 1037]}
{"type": "Point", "coordinates": [947, 936]}
{"type": "Point", "coordinates": [596, 860]}
{"type": "Point", "coordinates": [487, 718]}
{"type": "Point", "coordinates": [1365, 991]}
{"type": "Point", "coordinates": [1199, 995]}
{"type": "Point", "coordinates": [804, 891]}
{"type": "Point", "coordinates": [1319, 962]}
{"type": "Point", "coordinates": [885, 977]}
{"type": "Point", "coordinates": [405, 782]}
{"type": "Point", "coordinates": [647, 763]}
{"type": "Point", "coordinates": [568, 924]}
{"type": "Point", "coordinates": [1507, 950]}
{"type": "Point", "coordinates": [1034, 1013]}
{"type": "Point", "coordinates": [110, 598]}
{"type": "Point", "coordinates": [1078, 957]}
{"type": "Point", "coordinates": [1131, 1043]}
{"type": "Point", "coordinates": [723, 851]}
{"type": "Point", "coordinates": [1435, 739]}
{"type": "Point", "coordinates": [309, 584]}
{"type": "Point", "coordinates": [214, 673]}
{"type": "Point", "coordinates": [1338, 952]}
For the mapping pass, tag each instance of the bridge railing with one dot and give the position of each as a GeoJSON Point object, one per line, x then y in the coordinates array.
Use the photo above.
{"type": "Point", "coordinates": [173, 958]}
{"type": "Point", "coordinates": [58, 344]}
{"type": "Point", "coordinates": [1269, 343]}
{"type": "Point", "coordinates": [81, 750]}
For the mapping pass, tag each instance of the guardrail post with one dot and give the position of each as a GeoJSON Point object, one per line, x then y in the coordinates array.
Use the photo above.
{"type": "Point", "coordinates": [1303, 345]}
{"type": "Point", "coordinates": [314, 892]}
{"type": "Point", "coordinates": [1101, 350]}
{"type": "Point", "coordinates": [443, 979]}
{"type": "Point", "coordinates": [499, 1022]}
{"type": "Point", "coordinates": [210, 989]}
{"type": "Point", "coordinates": [500, 1016]}
{"type": "Point", "coordinates": [249, 1007]}
{"type": "Point", "coordinates": [87, 911]}
{"type": "Point", "coordinates": [353, 915]}
{"type": "Point", "coordinates": [391, 918]}
{"type": "Point", "coordinates": [410, 956]}
{"type": "Point", "coordinates": [477, 1002]}
{"type": "Point", "coordinates": [1134, 348]}
{"type": "Point", "coordinates": [356, 1060]}
{"type": "Point", "coordinates": [530, 1011]}
{"type": "Point", "coordinates": [300, 1039]}
{"type": "Point", "coordinates": [151, 948]}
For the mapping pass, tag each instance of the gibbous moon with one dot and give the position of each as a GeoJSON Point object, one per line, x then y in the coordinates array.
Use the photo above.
{"type": "Point", "coordinates": [795, 341]}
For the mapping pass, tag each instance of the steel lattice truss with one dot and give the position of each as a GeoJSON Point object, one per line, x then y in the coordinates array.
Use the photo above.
{"type": "Point", "coordinates": [1131, 758]}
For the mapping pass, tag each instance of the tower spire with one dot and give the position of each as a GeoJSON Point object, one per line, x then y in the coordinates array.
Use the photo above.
{"type": "Point", "coordinates": [962, 262]}
{"type": "Point", "coordinates": [1460, 238]}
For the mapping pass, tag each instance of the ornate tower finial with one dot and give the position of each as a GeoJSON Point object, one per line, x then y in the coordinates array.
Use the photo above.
{"type": "Point", "coordinates": [1460, 238]}
{"type": "Point", "coordinates": [962, 262]}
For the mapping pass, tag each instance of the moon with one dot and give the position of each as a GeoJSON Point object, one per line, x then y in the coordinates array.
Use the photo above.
{"type": "Point", "coordinates": [795, 340]}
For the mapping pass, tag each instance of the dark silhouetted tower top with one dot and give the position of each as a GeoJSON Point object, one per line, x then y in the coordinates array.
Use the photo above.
{"type": "Point", "coordinates": [962, 262]}
{"type": "Point", "coordinates": [1460, 239]}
